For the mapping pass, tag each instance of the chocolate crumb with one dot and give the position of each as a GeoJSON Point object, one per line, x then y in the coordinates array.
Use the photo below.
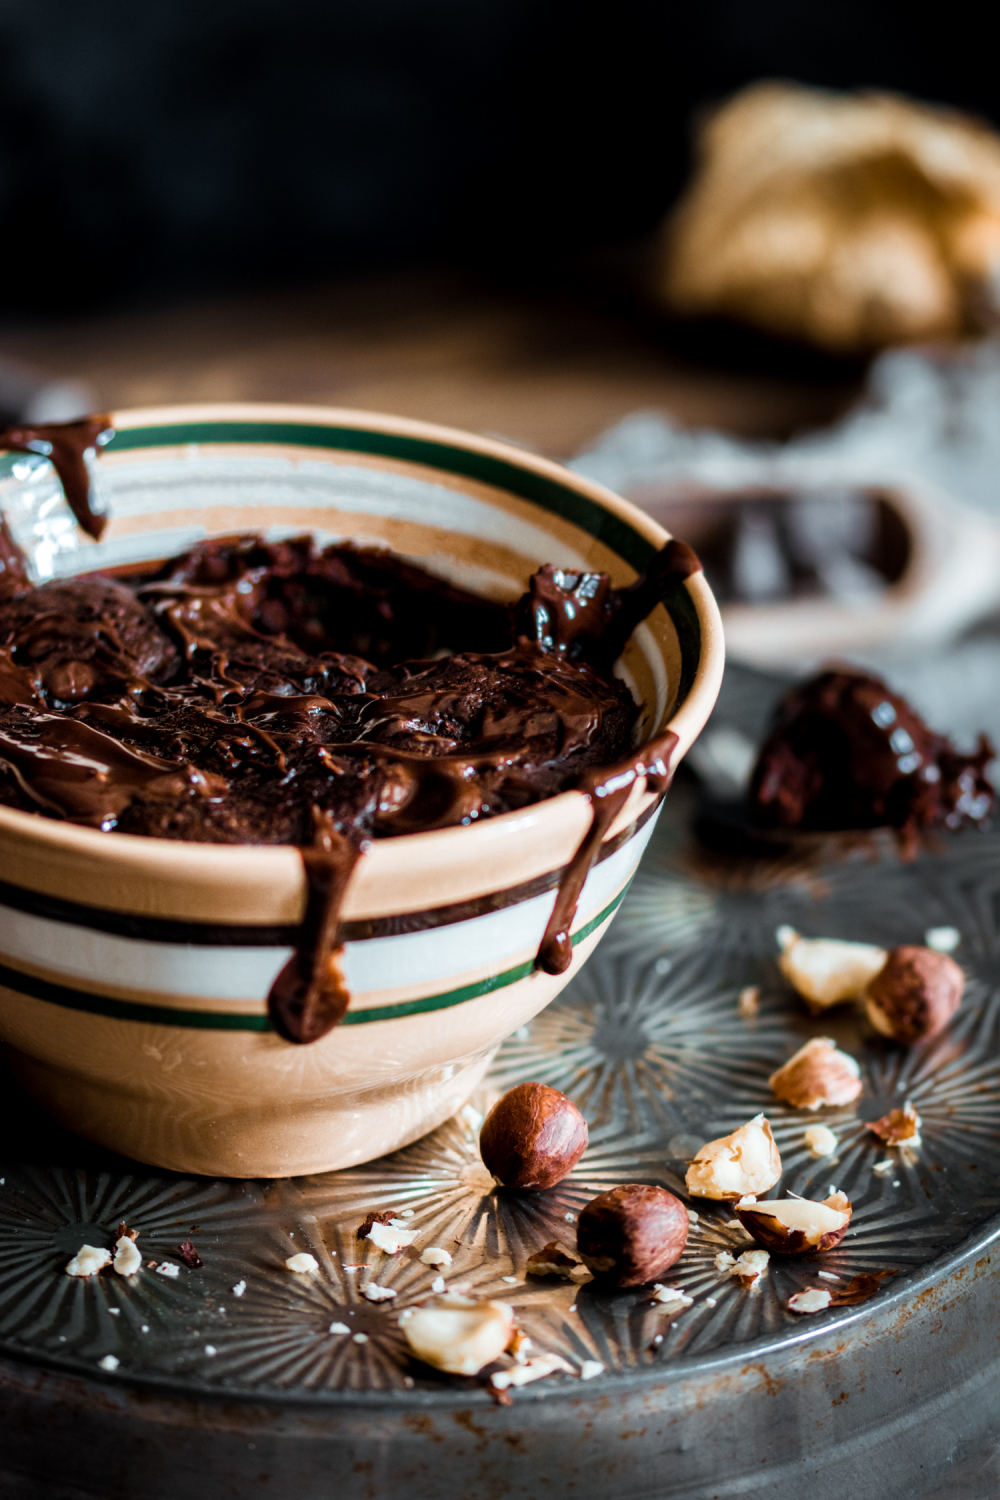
{"type": "Point", "coordinates": [189, 1255]}
{"type": "Point", "coordinates": [365, 1228]}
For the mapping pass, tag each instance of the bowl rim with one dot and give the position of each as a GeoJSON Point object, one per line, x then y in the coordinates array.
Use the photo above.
{"type": "Point", "coordinates": [554, 818]}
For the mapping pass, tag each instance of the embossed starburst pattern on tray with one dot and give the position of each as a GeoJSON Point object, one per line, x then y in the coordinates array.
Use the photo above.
{"type": "Point", "coordinates": [651, 1045]}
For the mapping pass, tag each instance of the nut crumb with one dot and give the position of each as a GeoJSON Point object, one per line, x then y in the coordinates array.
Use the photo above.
{"type": "Point", "coordinates": [510, 1280]}
{"type": "Point", "coordinates": [109, 1363]}
{"type": "Point", "coordinates": [881, 1167]}
{"type": "Point", "coordinates": [435, 1256]}
{"type": "Point", "coordinates": [376, 1293]}
{"type": "Point", "coordinates": [813, 1299]}
{"type": "Point", "coordinates": [360, 1338]}
{"type": "Point", "coordinates": [748, 1004]}
{"type": "Point", "coordinates": [114, 1312]}
{"type": "Point", "coordinates": [168, 1269]}
{"type": "Point", "coordinates": [239, 1289]}
{"type": "Point", "coordinates": [127, 1261]}
{"type": "Point", "coordinates": [389, 1239]}
{"type": "Point", "coordinates": [211, 1350]}
{"type": "Point", "coordinates": [88, 1260]}
{"type": "Point", "coordinates": [711, 1302]}
{"type": "Point", "coordinates": [302, 1264]}
{"type": "Point", "coordinates": [338, 1328]}
{"type": "Point", "coordinates": [533, 1369]}
{"type": "Point", "coordinates": [438, 1284]}
{"type": "Point", "coordinates": [672, 1297]}
{"type": "Point", "coordinates": [407, 1213]}
{"type": "Point", "coordinates": [820, 1141]}
{"type": "Point", "coordinates": [829, 1275]}
{"type": "Point", "coordinates": [943, 939]}
{"type": "Point", "coordinates": [591, 1368]}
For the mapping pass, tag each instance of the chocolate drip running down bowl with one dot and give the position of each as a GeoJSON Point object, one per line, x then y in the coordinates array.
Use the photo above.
{"type": "Point", "coordinates": [135, 971]}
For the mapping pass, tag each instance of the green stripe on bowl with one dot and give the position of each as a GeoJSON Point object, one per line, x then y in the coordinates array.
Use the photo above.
{"type": "Point", "coordinates": [549, 494]}
{"type": "Point", "coordinates": [203, 1020]}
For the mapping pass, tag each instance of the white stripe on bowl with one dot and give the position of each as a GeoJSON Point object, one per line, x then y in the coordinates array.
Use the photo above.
{"type": "Point", "coordinates": [433, 958]}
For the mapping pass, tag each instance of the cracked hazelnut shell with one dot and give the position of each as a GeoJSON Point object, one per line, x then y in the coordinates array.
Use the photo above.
{"type": "Point", "coordinates": [797, 1226]}
{"type": "Point", "coordinates": [818, 1076]}
{"type": "Point", "coordinates": [915, 994]}
{"type": "Point", "coordinates": [632, 1235]}
{"type": "Point", "coordinates": [532, 1137]}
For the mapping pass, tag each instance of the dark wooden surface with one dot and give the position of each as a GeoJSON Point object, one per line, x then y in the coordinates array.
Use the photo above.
{"type": "Point", "coordinates": [549, 370]}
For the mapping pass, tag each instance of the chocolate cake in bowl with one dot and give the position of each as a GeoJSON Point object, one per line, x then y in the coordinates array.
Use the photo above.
{"type": "Point", "coordinates": [296, 829]}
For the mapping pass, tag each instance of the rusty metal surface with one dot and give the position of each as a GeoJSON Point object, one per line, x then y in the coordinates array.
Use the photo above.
{"type": "Point", "coordinates": [216, 1394]}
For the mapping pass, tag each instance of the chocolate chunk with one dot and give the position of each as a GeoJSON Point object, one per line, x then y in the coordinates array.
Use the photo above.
{"type": "Point", "coordinates": [846, 752]}
{"type": "Point", "coordinates": [189, 1255]}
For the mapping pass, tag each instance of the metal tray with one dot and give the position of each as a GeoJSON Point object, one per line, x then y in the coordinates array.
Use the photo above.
{"type": "Point", "coordinates": [219, 1394]}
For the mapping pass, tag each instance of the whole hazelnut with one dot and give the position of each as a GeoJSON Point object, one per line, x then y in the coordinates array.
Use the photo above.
{"type": "Point", "coordinates": [632, 1234]}
{"type": "Point", "coordinates": [915, 994]}
{"type": "Point", "coordinates": [532, 1137]}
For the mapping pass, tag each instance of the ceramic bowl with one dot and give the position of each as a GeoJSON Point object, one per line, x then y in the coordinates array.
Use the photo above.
{"type": "Point", "coordinates": [134, 972]}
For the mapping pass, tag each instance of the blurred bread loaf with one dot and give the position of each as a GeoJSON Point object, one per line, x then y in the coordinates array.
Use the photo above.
{"type": "Point", "coordinates": [850, 221]}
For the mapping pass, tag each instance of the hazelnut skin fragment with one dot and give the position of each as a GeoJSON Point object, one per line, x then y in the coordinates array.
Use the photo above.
{"type": "Point", "coordinates": [797, 1226]}
{"type": "Point", "coordinates": [817, 1076]}
{"type": "Point", "coordinates": [532, 1137]}
{"type": "Point", "coordinates": [915, 995]}
{"type": "Point", "coordinates": [632, 1234]}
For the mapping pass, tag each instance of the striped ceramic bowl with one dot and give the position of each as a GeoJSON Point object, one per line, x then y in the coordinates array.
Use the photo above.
{"type": "Point", "coordinates": [134, 972]}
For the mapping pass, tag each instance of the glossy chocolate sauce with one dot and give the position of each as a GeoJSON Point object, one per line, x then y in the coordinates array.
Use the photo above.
{"type": "Point", "coordinates": [66, 445]}
{"type": "Point", "coordinates": [255, 692]}
{"type": "Point", "coordinates": [844, 752]}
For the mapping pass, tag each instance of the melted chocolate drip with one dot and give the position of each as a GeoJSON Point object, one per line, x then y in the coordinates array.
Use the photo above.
{"type": "Point", "coordinates": [65, 444]}
{"type": "Point", "coordinates": [309, 996]}
{"type": "Point", "coordinates": [608, 791]}
{"type": "Point", "coordinates": [14, 579]}
{"type": "Point", "coordinates": [845, 752]}
{"type": "Point", "coordinates": [228, 700]}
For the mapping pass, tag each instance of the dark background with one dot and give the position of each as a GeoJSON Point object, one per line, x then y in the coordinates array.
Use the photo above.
{"type": "Point", "coordinates": [155, 150]}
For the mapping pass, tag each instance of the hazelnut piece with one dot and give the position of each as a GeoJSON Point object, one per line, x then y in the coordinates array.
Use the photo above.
{"type": "Point", "coordinates": [632, 1234]}
{"type": "Point", "coordinates": [532, 1137]}
{"type": "Point", "coordinates": [818, 1075]}
{"type": "Point", "coordinates": [458, 1334]}
{"type": "Point", "coordinates": [746, 1161]}
{"type": "Point", "coordinates": [793, 1226]}
{"type": "Point", "coordinates": [900, 1127]}
{"type": "Point", "coordinates": [826, 971]}
{"type": "Point", "coordinates": [915, 995]}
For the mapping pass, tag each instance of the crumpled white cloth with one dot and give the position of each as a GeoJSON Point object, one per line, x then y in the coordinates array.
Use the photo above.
{"type": "Point", "coordinates": [928, 417]}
